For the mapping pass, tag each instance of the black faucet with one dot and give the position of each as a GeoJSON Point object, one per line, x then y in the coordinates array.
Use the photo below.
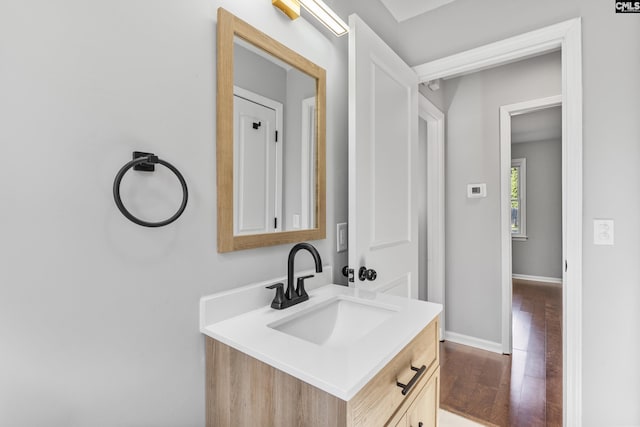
{"type": "Point", "coordinates": [297, 294]}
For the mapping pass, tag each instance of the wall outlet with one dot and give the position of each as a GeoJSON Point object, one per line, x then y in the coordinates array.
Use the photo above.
{"type": "Point", "coordinates": [603, 232]}
{"type": "Point", "coordinates": [342, 237]}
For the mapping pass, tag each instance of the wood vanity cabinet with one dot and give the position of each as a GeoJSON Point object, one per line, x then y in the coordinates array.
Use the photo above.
{"type": "Point", "coordinates": [243, 391]}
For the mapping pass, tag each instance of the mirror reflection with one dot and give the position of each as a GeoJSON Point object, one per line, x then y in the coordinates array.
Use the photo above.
{"type": "Point", "coordinates": [274, 137]}
{"type": "Point", "coordinates": [270, 145]}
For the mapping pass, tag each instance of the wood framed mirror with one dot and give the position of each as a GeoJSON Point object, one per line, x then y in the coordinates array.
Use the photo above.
{"type": "Point", "coordinates": [270, 140]}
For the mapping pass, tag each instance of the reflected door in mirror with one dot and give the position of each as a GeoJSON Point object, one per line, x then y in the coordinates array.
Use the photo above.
{"type": "Point", "coordinates": [258, 165]}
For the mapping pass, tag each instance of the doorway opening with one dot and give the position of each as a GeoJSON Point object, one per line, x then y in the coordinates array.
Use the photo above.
{"type": "Point", "coordinates": [565, 36]}
{"type": "Point", "coordinates": [534, 140]}
{"type": "Point", "coordinates": [530, 194]}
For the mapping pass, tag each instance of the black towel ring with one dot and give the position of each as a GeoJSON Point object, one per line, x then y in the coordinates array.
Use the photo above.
{"type": "Point", "coordinates": [146, 162]}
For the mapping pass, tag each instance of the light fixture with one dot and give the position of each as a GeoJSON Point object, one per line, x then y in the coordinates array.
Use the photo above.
{"type": "Point", "coordinates": [291, 8]}
{"type": "Point", "coordinates": [324, 14]}
{"type": "Point", "coordinates": [318, 9]}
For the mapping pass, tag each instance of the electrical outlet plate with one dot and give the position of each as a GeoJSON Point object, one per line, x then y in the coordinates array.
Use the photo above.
{"type": "Point", "coordinates": [603, 232]}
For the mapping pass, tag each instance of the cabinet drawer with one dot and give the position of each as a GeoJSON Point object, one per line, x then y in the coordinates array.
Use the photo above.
{"type": "Point", "coordinates": [424, 410]}
{"type": "Point", "coordinates": [381, 397]}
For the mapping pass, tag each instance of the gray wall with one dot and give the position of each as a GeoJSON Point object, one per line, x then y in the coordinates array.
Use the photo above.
{"type": "Point", "coordinates": [541, 253]}
{"type": "Point", "coordinates": [259, 75]}
{"type": "Point", "coordinates": [472, 155]}
{"type": "Point", "coordinates": [98, 316]}
{"type": "Point", "coordinates": [435, 96]}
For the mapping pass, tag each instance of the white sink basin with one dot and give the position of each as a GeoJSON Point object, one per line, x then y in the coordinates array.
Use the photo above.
{"type": "Point", "coordinates": [337, 341]}
{"type": "Point", "coordinates": [336, 322]}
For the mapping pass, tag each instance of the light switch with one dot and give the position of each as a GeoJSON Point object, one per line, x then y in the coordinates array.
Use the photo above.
{"type": "Point", "coordinates": [342, 237]}
{"type": "Point", "coordinates": [603, 232]}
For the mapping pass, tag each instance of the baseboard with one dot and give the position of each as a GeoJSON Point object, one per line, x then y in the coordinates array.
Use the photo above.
{"type": "Point", "coordinates": [494, 347]}
{"type": "Point", "coordinates": [542, 279]}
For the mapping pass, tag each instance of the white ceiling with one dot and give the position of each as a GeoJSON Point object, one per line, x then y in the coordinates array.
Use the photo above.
{"type": "Point", "coordinates": [407, 9]}
{"type": "Point", "coordinates": [541, 125]}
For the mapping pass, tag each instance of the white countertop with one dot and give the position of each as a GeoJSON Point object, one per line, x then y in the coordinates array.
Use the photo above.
{"type": "Point", "coordinates": [339, 370]}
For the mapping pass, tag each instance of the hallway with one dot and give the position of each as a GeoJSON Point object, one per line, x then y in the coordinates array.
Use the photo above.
{"type": "Point", "coordinates": [524, 389]}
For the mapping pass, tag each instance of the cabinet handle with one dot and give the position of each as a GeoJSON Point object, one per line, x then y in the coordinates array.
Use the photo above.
{"type": "Point", "coordinates": [407, 387]}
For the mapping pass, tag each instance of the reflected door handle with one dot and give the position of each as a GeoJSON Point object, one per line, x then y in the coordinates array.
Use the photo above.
{"type": "Point", "coordinates": [367, 274]}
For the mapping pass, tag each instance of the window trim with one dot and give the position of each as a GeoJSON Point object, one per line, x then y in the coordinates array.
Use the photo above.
{"type": "Point", "coordinates": [522, 191]}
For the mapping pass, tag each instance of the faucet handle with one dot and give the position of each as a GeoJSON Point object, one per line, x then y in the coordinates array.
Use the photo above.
{"type": "Point", "coordinates": [300, 286]}
{"type": "Point", "coordinates": [278, 300]}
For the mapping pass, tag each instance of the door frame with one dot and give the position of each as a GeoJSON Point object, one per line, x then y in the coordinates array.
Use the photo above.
{"type": "Point", "coordinates": [567, 37]}
{"type": "Point", "coordinates": [506, 112]}
{"type": "Point", "coordinates": [307, 162]}
{"type": "Point", "coordinates": [435, 204]}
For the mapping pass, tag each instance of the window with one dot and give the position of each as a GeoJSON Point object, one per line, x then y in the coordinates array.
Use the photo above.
{"type": "Point", "coordinates": [518, 198]}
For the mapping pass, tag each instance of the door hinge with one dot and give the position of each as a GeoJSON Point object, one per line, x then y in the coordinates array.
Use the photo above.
{"type": "Point", "coordinates": [275, 223]}
{"type": "Point", "coordinates": [565, 265]}
{"type": "Point", "coordinates": [276, 136]}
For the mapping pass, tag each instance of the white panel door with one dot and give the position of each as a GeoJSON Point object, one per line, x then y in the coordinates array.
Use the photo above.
{"type": "Point", "coordinates": [383, 147]}
{"type": "Point", "coordinates": [257, 172]}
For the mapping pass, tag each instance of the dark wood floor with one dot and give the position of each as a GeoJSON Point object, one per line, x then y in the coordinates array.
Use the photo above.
{"type": "Point", "coordinates": [524, 389]}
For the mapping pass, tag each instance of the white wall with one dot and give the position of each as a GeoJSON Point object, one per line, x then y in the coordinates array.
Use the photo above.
{"type": "Point", "coordinates": [541, 253]}
{"type": "Point", "coordinates": [611, 274]}
{"type": "Point", "coordinates": [98, 316]}
{"type": "Point", "coordinates": [472, 155]}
